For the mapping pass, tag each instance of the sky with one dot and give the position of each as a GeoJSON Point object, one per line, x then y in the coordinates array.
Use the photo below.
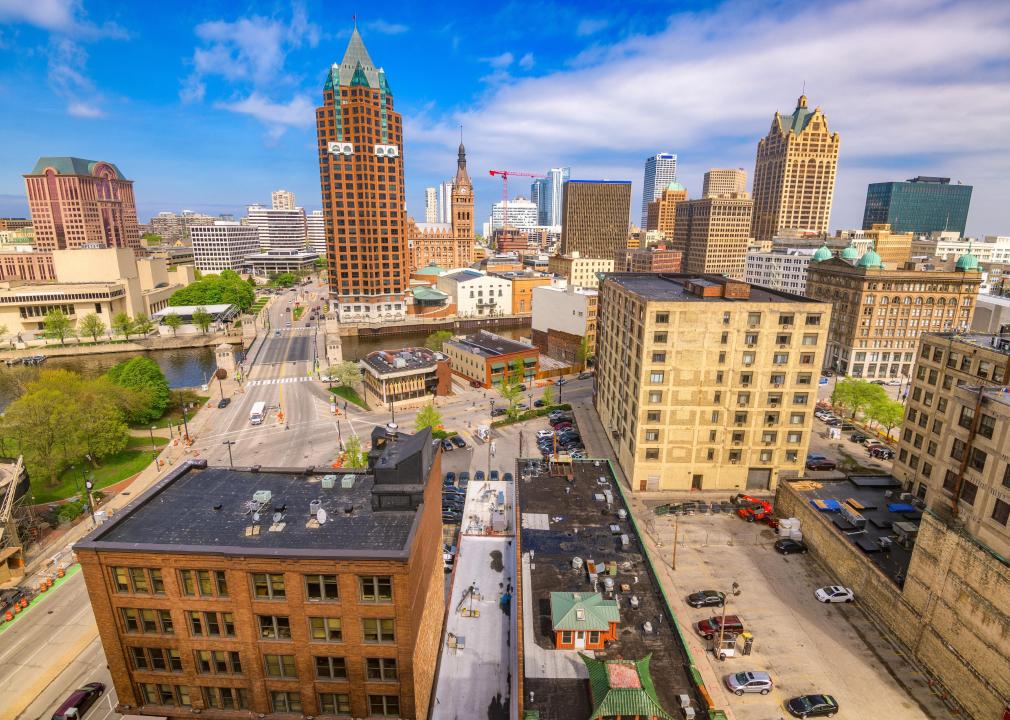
{"type": "Point", "coordinates": [209, 106]}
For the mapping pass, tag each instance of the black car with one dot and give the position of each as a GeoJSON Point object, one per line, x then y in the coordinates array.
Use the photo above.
{"type": "Point", "coordinates": [857, 437]}
{"type": "Point", "coordinates": [446, 445]}
{"type": "Point", "coordinates": [458, 441]}
{"type": "Point", "coordinates": [788, 546]}
{"type": "Point", "coordinates": [539, 403]}
{"type": "Point", "coordinates": [507, 477]}
{"type": "Point", "coordinates": [706, 598]}
{"type": "Point", "coordinates": [522, 387]}
{"type": "Point", "coordinates": [881, 453]}
{"type": "Point", "coordinates": [806, 706]}
{"type": "Point", "coordinates": [497, 412]}
{"type": "Point", "coordinates": [464, 478]}
{"type": "Point", "coordinates": [494, 475]}
{"type": "Point", "coordinates": [450, 478]}
{"type": "Point", "coordinates": [450, 517]}
{"type": "Point", "coordinates": [224, 402]}
{"type": "Point", "coordinates": [478, 476]}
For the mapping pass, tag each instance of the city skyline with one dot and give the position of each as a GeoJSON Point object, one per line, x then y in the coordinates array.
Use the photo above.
{"type": "Point", "coordinates": [156, 101]}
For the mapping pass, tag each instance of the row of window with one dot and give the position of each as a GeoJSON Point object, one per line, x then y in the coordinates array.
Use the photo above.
{"type": "Point", "coordinates": [329, 667]}
{"type": "Point", "coordinates": [281, 701]}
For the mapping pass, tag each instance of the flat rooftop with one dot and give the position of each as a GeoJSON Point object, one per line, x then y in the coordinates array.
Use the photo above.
{"type": "Point", "coordinates": [489, 344]}
{"type": "Point", "coordinates": [563, 519]}
{"type": "Point", "coordinates": [402, 360]}
{"type": "Point", "coordinates": [993, 342]}
{"type": "Point", "coordinates": [672, 287]}
{"type": "Point", "coordinates": [200, 509]}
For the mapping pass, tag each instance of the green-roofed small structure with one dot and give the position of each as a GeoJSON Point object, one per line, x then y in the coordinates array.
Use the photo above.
{"type": "Point", "coordinates": [583, 621]}
{"type": "Point", "coordinates": [823, 253]}
{"type": "Point", "coordinates": [871, 260]}
{"type": "Point", "coordinates": [624, 689]}
{"type": "Point", "coordinates": [428, 297]}
{"type": "Point", "coordinates": [432, 269]}
{"type": "Point", "coordinates": [797, 122]}
{"type": "Point", "coordinates": [967, 262]}
{"type": "Point", "coordinates": [850, 253]}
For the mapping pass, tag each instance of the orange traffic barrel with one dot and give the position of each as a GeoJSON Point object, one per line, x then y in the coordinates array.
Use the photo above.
{"type": "Point", "coordinates": [60, 572]}
{"type": "Point", "coordinates": [24, 602]}
{"type": "Point", "coordinates": [8, 616]}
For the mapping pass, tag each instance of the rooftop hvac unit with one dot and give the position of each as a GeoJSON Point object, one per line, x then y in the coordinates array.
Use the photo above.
{"type": "Point", "coordinates": [262, 496]}
{"type": "Point", "coordinates": [340, 148]}
{"type": "Point", "coordinates": [328, 481]}
{"type": "Point", "coordinates": [347, 481]}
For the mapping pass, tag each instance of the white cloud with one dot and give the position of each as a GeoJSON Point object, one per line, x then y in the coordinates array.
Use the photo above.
{"type": "Point", "coordinates": [67, 61]}
{"type": "Point", "coordinates": [591, 26]}
{"type": "Point", "coordinates": [386, 28]}
{"type": "Point", "coordinates": [84, 110]}
{"type": "Point", "coordinates": [299, 112]}
{"type": "Point", "coordinates": [706, 86]}
{"type": "Point", "coordinates": [499, 62]}
{"type": "Point", "coordinates": [58, 16]}
{"type": "Point", "coordinates": [526, 61]}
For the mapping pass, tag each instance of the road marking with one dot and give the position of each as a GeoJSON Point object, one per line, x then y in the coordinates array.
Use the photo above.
{"type": "Point", "coordinates": [278, 381]}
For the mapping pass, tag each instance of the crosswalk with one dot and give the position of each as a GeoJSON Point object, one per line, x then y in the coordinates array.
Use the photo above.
{"type": "Point", "coordinates": [278, 381]}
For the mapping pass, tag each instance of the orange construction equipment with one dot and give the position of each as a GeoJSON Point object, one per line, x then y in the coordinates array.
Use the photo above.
{"type": "Point", "coordinates": [753, 509]}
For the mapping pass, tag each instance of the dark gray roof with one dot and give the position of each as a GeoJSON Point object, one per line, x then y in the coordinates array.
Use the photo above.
{"type": "Point", "coordinates": [671, 287]}
{"type": "Point", "coordinates": [487, 343]}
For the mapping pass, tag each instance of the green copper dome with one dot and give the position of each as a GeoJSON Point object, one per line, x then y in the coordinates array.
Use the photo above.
{"type": "Point", "coordinates": [870, 259]}
{"type": "Point", "coordinates": [850, 253]}
{"type": "Point", "coordinates": [966, 262]}
{"type": "Point", "coordinates": [823, 253]}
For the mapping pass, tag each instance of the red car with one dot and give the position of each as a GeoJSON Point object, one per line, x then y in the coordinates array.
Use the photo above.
{"type": "Point", "coordinates": [80, 700]}
{"type": "Point", "coordinates": [821, 465]}
{"type": "Point", "coordinates": [709, 628]}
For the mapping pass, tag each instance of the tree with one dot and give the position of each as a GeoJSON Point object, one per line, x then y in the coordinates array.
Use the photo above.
{"type": "Point", "coordinates": [354, 456]}
{"type": "Point", "coordinates": [143, 375]}
{"type": "Point", "coordinates": [284, 279]}
{"type": "Point", "coordinates": [436, 340]}
{"type": "Point", "coordinates": [123, 324]}
{"type": "Point", "coordinates": [582, 353]}
{"type": "Point", "coordinates": [142, 324]}
{"type": "Point", "coordinates": [37, 421]}
{"type": "Point", "coordinates": [174, 322]}
{"type": "Point", "coordinates": [57, 326]}
{"type": "Point", "coordinates": [548, 395]}
{"type": "Point", "coordinates": [856, 395]}
{"type": "Point", "coordinates": [345, 373]}
{"type": "Point", "coordinates": [3, 332]}
{"type": "Point", "coordinates": [887, 413]}
{"type": "Point", "coordinates": [202, 319]}
{"type": "Point", "coordinates": [92, 325]}
{"type": "Point", "coordinates": [427, 417]}
{"type": "Point", "coordinates": [226, 288]}
{"type": "Point", "coordinates": [152, 239]}
{"type": "Point", "coordinates": [509, 387]}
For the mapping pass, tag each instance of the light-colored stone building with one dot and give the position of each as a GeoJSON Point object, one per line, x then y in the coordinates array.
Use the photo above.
{"type": "Point", "coordinates": [706, 383]}
{"type": "Point", "coordinates": [224, 245]}
{"type": "Point", "coordinates": [580, 271]}
{"type": "Point", "coordinates": [794, 173]}
{"type": "Point", "coordinates": [724, 181]}
{"type": "Point", "coordinates": [563, 314]}
{"type": "Point", "coordinates": [781, 269]}
{"type": "Point", "coordinates": [713, 234]}
{"type": "Point", "coordinates": [476, 294]}
{"type": "Point", "coordinates": [894, 249]}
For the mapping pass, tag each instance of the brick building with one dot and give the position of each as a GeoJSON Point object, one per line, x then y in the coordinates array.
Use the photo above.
{"type": "Point", "coordinates": [595, 217]}
{"type": "Point", "coordinates": [649, 259]}
{"type": "Point", "coordinates": [661, 214]}
{"type": "Point", "coordinates": [276, 591]}
{"type": "Point", "coordinates": [713, 233]}
{"type": "Point", "coordinates": [485, 357]}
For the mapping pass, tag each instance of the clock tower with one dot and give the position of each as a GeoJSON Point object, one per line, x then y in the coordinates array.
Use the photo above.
{"type": "Point", "coordinates": [462, 199]}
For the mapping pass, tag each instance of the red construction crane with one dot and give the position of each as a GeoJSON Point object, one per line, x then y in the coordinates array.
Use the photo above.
{"type": "Point", "coordinates": [505, 174]}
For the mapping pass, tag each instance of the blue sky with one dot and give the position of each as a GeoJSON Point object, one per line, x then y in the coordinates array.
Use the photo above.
{"type": "Point", "coordinates": [209, 106]}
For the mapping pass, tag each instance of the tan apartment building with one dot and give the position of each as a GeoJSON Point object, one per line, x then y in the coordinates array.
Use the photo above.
{"type": "Point", "coordinates": [713, 234]}
{"type": "Point", "coordinates": [594, 217]}
{"type": "Point", "coordinates": [879, 313]}
{"type": "Point", "coordinates": [523, 284]}
{"type": "Point", "coordinates": [661, 214]}
{"type": "Point", "coordinates": [409, 376]}
{"type": "Point", "coordinates": [707, 383]}
{"type": "Point", "coordinates": [724, 181]}
{"type": "Point", "coordinates": [578, 270]}
{"type": "Point", "coordinates": [894, 249]}
{"type": "Point", "coordinates": [276, 591]}
{"type": "Point", "coordinates": [794, 173]}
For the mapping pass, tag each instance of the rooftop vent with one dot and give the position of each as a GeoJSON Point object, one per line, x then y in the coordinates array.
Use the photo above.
{"type": "Point", "coordinates": [262, 496]}
{"type": "Point", "coordinates": [314, 506]}
{"type": "Point", "coordinates": [347, 481]}
{"type": "Point", "coordinates": [328, 481]}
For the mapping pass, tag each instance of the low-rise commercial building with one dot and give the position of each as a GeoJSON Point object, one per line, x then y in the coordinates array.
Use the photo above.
{"type": "Point", "coordinates": [563, 315]}
{"type": "Point", "coordinates": [649, 259]}
{"type": "Point", "coordinates": [780, 269]}
{"type": "Point", "coordinates": [269, 263]}
{"type": "Point", "coordinates": [220, 314]}
{"type": "Point", "coordinates": [475, 293]}
{"type": "Point", "coordinates": [224, 245]}
{"type": "Point", "coordinates": [706, 383]}
{"type": "Point", "coordinates": [276, 590]}
{"type": "Point", "coordinates": [523, 285]}
{"type": "Point", "coordinates": [488, 359]}
{"type": "Point", "coordinates": [580, 271]}
{"type": "Point", "coordinates": [408, 376]}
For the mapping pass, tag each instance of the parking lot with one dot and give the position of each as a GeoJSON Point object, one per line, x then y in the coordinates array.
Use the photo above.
{"type": "Point", "coordinates": [806, 646]}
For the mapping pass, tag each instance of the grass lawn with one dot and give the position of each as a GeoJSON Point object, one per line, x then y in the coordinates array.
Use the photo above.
{"type": "Point", "coordinates": [114, 468]}
{"type": "Point", "coordinates": [297, 313]}
{"type": "Point", "coordinates": [349, 394]}
{"type": "Point", "coordinates": [174, 417]}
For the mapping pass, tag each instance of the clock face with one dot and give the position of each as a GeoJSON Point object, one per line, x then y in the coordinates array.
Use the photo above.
{"type": "Point", "coordinates": [464, 191]}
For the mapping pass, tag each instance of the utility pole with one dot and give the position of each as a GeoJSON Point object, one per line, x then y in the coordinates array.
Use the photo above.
{"type": "Point", "coordinates": [722, 622]}
{"type": "Point", "coordinates": [676, 535]}
{"type": "Point", "coordinates": [229, 443]}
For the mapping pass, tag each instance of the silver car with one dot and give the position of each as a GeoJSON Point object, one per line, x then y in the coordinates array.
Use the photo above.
{"type": "Point", "coordinates": [749, 682]}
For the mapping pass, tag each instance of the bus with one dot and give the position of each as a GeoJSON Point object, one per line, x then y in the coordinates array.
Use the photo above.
{"type": "Point", "coordinates": [256, 414]}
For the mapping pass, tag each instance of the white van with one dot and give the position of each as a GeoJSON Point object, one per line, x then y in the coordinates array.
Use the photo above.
{"type": "Point", "coordinates": [256, 414]}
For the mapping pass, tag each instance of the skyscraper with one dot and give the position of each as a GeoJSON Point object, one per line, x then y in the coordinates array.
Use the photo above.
{"type": "Point", "coordinates": [538, 196]}
{"type": "Point", "coordinates": [660, 171]}
{"type": "Point", "coordinates": [430, 205]}
{"type": "Point", "coordinates": [919, 205]}
{"type": "Point", "coordinates": [595, 218]}
{"type": "Point", "coordinates": [76, 202]}
{"type": "Point", "coordinates": [445, 202]}
{"type": "Point", "coordinates": [662, 214]}
{"type": "Point", "coordinates": [555, 195]}
{"type": "Point", "coordinates": [713, 234]}
{"type": "Point", "coordinates": [279, 229]}
{"type": "Point", "coordinates": [282, 200]}
{"type": "Point", "coordinates": [794, 174]}
{"type": "Point", "coordinates": [361, 167]}
{"type": "Point", "coordinates": [724, 181]}
{"type": "Point", "coordinates": [315, 225]}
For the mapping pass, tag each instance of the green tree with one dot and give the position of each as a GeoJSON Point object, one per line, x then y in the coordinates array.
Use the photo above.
{"type": "Point", "coordinates": [58, 326]}
{"type": "Point", "coordinates": [548, 395]}
{"type": "Point", "coordinates": [226, 288]}
{"type": "Point", "coordinates": [174, 322]}
{"type": "Point", "coordinates": [427, 417]}
{"type": "Point", "coordinates": [37, 422]}
{"type": "Point", "coordinates": [93, 326]}
{"type": "Point", "coordinates": [284, 279]}
{"type": "Point", "coordinates": [202, 319]}
{"type": "Point", "coordinates": [354, 456]}
{"type": "Point", "coordinates": [143, 324]}
{"type": "Point", "coordinates": [437, 339]}
{"type": "Point", "coordinates": [345, 373]}
{"type": "Point", "coordinates": [856, 395]}
{"type": "Point", "coordinates": [123, 324]}
{"type": "Point", "coordinates": [888, 413]}
{"type": "Point", "coordinates": [143, 375]}
{"type": "Point", "coordinates": [582, 353]}
{"type": "Point", "coordinates": [152, 239]}
{"type": "Point", "coordinates": [509, 389]}
{"type": "Point", "coordinates": [3, 332]}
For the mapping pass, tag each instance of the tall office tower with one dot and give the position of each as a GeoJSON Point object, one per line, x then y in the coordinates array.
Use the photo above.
{"type": "Point", "coordinates": [522, 214]}
{"type": "Point", "coordinates": [361, 168]}
{"type": "Point", "coordinates": [76, 202]}
{"type": "Point", "coordinates": [315, 227]}
{"type": "Point", "coordinates": [794, 174]}
{"type": "Point", "coordinates": [713, 234]}
{"type": "Point", "coordinates": [660, 171]}
{"type": "Point", "coordinates": [724, 181]}
{"type": "Point", "coordinates": [662, 214]}
{"type": "Point", "coordinates": [278, 229]}
{"type": "Point", "coordinates": [706, 383]}
{"type": "Point", "coordinates": [920, 205]}
{"type": "Point", "coordinates": [538, 196]}
{"type": "Point", "coordinates": [430, 205]}
{"type": "Point", "coordinates": [462, 198]}
{"type": "Point", "coordinates": [594, 221]}
{"type": "Point", "coordinates": [445, 202]}
{"type": "Point", "coordinates": [282, 200]}
{"type": "Point", "coordinates": [555, 197]}
{"type": "Point", "coordinates": [224, 245]}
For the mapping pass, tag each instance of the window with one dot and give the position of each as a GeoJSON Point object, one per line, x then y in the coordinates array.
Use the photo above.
{"type": "Point", "coordinates": [652, 416]}
{"type": "Point", "coordinates": [268, 586]}
{"type": "Point", "coordinates": [780, 358]}
{"type": "Point", "coordinates": [219, 662]}
{"type": "Point", "coordinates": [652, 454]}
{"type": "Point", "coordinates": [977, 459]}
{"type": "Point", "coordinates": [274, 627]}
{"type": "Point", "coordinates": [566, 637]}
{"type": "Point", "coordinates": [384, 705]}
{"type": "Point", "coordinates": [325, 629]}
{"type": "Point", "coordinates": [376, 589]}
{"type": "Point", "coordinates": [156, 659]}
{"type": "Point", "coordinates": [280, 666]}
{"type": "Point", "coordinates": [986, 426]}
{"type": "Point", "coordinates": [381, 668]}
{"type": "Point", "coordinates": [797, 418]}
{"type": "Point", "coordinates": [147, 621]}
{"type": "Point", "coordinates": [753, 319]}
{"type": "Point", "coordinates": [950, 481]}
{"type": "Point", "coordinates": [967, 417]}
{"type": "Point", "coordinates": [662, 317]}
{"type": "Point", "coordinates": [206, 583]}
{"type": "Point", "coordinates": [139, 581]}
{"type": "Point", "coordinates": [799, 398]}
{"type": "Point", "coordinates": [786, 320]}
{"type": "Point", "coordinates": [783, 339]}
{"type": "Point", "coordinates": [656, 376]}
{"type": "Point", "coordinates": [655, 396]}
{"type": "Point", "coordinates": [211, 623]}
{"type": "Point", "coordinates": [334, 704]}
{"type": "Point", "coordinates": [652, 435]}
{"type": "Point", "coordinates": [813, 319]}
{"type": "Point", "coordinates": [748, 358]}
{"type": "Point", "coordinates": [659, 337]}
{"type": "Point", "coordinates": [330, 668]}
{"type": "Point", "coordinates": [658, 357]}
{"type": "Point", "coordinates": [794, 437]}
{"type": "Point", "coordinates": [226, 698]}
{"type": "Point", "coordinates": [321, 588]}
{"type": "Point", "coordinates": [378, 630]}
{"type": "Point", "coordinates": [968, 492]}
{"type": "Point", "coordinates": [1001, 512]}
{"type": "Point", "coordinates": [162, 694]}
{"type": "Point", "coordinates": [957, 449]}
{"type": "Point", "coordinates": [283, 701]}
{"type": "Point", "coordinates": [810, 339]}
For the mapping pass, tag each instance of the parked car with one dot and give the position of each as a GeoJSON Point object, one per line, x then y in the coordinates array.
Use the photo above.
{"type": "Point", "coordinates": [846, 427]}
{"type": "Point", "coordinates": [277, 333]}
{"type": "Point", "coordinates": [893, 382]}
{"type": "Point", "coordinates": [834, 594]}
{"type": "Point", "coordinates": [815, 456]}
{"type": "Point", "coordinates": [458, 441]}
{"type": "Point", "coordinates": [833, 422]}
{"type": "Point", "coordinates": [556, 413]}
{"type": "Point", "coordinates": [881, 453]}
{"type": "Point", "coordinates": [749, 682]}
{"type": "Point", "coordinates": [507, 477]}
{"type": "Point", "coordinates": [464, 479]}
{"type": "Point", "coordinates": [522, 387]}
{"type": "Point", "coordinates": [821, 465]}
{"type": "Point", "coordinates": [584, 374]}
{"type": "Point", "coordinates": [788, 546]}
{"type": "Point", "coordinates": [706, 598]}
{"type": "Point", "coordinates": [498, 412]}
{"type": "Point", "coordinates": [577, 454]}
{"type": "Point", "coordinates": [806, 706]}
{"type": "Point", "coordinates": [450, 478]}
{"type": "Point", "coordinates": [223, 403]}
{"type": "Point", "coordinates": [494, 475]}
{"type": "Point", "coordinates": [450, 517]}
{"type": "Point", "coordinates": [878, 382]}
{"type": "Point", "coordinates": [446, 445]}
{"type": "Point", "coordinates": [857, 437]}
{"type": "Point", "coordinates": [873, 442]}
{"type": "Point", "coordinates": [545, 434]}
{"type": "Point", "coordinates": [539, 403]}
{"type": "Point", "coordinates": [561, 381]}
{"type": "Point", "coordinates": [79, 701]}
{"type": "Point", "coordinates": [478, 476]}
{"type": "Point", "coordinates": [730, 624]}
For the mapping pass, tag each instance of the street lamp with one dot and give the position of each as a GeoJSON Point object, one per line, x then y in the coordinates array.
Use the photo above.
{"type": "Point", "coordinates": [339, 436]}
{"type": "Point", "coordinates": [722, 623]}
{"type": "Point", "coordinates": [153, 448]}
{"type": "Point", "coordinates": [185, 423]}
{"type": "Point", "coordinates": [229, 443]}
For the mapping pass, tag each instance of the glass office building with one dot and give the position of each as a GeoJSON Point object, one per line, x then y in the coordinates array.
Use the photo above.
{"type": "Point", "coordinates": [920, 205]}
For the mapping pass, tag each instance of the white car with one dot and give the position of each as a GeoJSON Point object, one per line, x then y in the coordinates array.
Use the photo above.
{"type": "Point", "coordinates": [893, 382]}
{"type": "Point", "coordinates": [545, 433]}
{"type": "Point", "coordinates": [834, 594]}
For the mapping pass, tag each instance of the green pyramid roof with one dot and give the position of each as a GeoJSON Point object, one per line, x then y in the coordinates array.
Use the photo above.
{"type": "Point", "coordinates": [71, 166]}
{"type": "Point", "coordinates": [797, 122]}
{"type": "Point", "coordinates": [823, 253]}
{"type": "Point", "coordinates": [623, 688]}
{"type": "Point", "coordinates": [359, 79]}
{"type": "Point", "coordinates": [850, 253]}
{"type": "Point", "coordinates": [596, 613]}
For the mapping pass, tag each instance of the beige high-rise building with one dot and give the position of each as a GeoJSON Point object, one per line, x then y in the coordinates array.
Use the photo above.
{"type": "Point", "coordinates": [282, 200]}
{"type": "Point", "coordinates": [662, 212]}
{"type": "Point", "coordinates": [894, 249]}
{"type": "Point", "coordinates": [794, 174]}
{"type": "Point", "coordinates": [594, 217]}
{"type": "Point", "coordinates": [713, 233]}
{"type": "Point", "coordinates": [724, 181]}
{"type": "Point", "coordinates": [706, 383]}
{"type": "Point", "coordinates": [580, 271]}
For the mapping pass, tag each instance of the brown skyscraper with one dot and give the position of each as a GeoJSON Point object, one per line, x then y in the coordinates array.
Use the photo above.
{"type": "Point", "coordinates": [77, 202]}
{"type": "Point", "coordinates": [361, 174]}
{"type": "Point", "coordinates": [794, 174]}
{"type": "Point", "coordinates": [662, 212]}
{"type": "Point", "coordinates": [713, 233]}
{"type": "Point", "coordinates": [594, 217]}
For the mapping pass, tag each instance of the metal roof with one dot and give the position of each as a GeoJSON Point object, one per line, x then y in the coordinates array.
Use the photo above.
{"type": "Point", "coordinates": [582, 611]}
{"type": "Point", "coordinates": [623, 688]}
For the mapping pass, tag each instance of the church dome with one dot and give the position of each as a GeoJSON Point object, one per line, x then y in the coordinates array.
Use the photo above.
{"type": "Point", "coordinates": [966, 262]}
{"type": "Point", "coordinates": [870, 259]}
{"type": "Point", "coordinates": [823, 253]}
{"type": "Point", "coordinates": [850, 253]}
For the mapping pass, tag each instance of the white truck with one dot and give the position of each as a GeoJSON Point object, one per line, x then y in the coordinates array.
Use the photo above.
{"type": "Point", "coordinates": [259, 409]}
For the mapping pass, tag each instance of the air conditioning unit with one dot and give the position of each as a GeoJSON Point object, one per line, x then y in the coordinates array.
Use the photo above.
{"type": "Point", "coordinates": [340, 148]}
{"type": "Point", "coordinates": [387, 151]}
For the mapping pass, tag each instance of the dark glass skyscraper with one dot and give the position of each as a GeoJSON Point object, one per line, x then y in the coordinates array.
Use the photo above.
{"type": "Point", "coordinates": [920, 205]}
